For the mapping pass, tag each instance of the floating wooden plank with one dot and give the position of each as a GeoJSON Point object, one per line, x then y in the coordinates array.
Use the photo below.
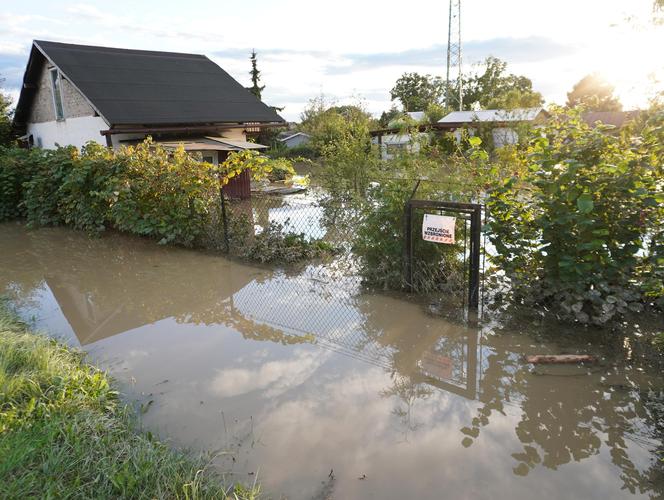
{"type": "Point", "coordinates": [559, 358]}
{"type": "Point", "coordinates": [280, 189]}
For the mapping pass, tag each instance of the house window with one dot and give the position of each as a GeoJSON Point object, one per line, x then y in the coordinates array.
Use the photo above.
{"type": "Point", "coordinates": [394, 149]}
{"type": "Point", "coordinates": [56, 82]}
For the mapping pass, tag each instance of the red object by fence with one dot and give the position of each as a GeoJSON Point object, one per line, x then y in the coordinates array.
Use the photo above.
{"type": "Point", "coordinates": [239, 187]}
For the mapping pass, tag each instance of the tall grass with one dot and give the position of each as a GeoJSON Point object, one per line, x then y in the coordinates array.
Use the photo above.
{"type": "Point", "coordinates": [64, 432]}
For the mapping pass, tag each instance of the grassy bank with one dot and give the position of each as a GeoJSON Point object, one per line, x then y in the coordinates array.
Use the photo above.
{"type": "Point", "coordinates": [64, 432]}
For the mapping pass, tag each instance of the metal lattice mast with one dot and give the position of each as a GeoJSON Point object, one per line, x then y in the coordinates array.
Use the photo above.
{"type": "Point", "coordinates": [454, 56]}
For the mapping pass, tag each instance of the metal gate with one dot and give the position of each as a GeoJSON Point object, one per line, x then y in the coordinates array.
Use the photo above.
{"type": "Point", "coordinates": [453, 270]}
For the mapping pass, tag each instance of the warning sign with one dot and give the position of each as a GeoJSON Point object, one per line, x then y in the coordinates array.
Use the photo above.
{"type": "Point", "coordinates": [438, 228]}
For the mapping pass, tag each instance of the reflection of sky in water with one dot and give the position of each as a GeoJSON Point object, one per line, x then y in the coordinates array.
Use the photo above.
{"type": "Point", "coordinates": [299, 218]}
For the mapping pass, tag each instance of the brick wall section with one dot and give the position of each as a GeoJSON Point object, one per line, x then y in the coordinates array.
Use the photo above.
{"type": "Point", "coordinates": [74, 103]}
{"type": "Point", "coordinates": [42, 106]}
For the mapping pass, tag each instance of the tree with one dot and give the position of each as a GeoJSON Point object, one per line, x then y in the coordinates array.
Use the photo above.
{"type": "Point", "coordinates": [435, 112]}
{"type": "Point", "coordinates": [328, 123]}
{"type": "Point", "coordinates": [516, 98]}
{"type": "Point", "coordinates": [387, 116]}
{"type": "Point", "coordinates": [593, 93]}
{"type": "Point", "coordinates": [265, 136]}
{"type": "Point", "coordinates": [340, 135]}
{"type": "Point", "coordinates": [255, 88]}
{"type": "Point", "coordinates": [494, 88]}
{"type": "Point", "coordinates": [6, 132]}
{"type": "Point", "coordinates": [416, 92]}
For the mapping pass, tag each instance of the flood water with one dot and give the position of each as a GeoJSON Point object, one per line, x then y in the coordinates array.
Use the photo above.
{"type": "Point", "coordinates": [322, 390]}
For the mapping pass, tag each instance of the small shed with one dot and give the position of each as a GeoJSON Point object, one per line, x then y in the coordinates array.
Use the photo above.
{"type": "Point", "coordinates": [296, 139]}
{"type": "Point", "coordinates": [502, 121]}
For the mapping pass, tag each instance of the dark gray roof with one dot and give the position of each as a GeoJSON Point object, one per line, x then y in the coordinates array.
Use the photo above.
{"type": "Point", "coordinates": [147, 87]}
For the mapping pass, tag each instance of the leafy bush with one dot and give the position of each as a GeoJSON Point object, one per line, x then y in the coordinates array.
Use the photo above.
{"type": "Point", "coordinates": [379, 237]}
{"type": "Point", "coordinates": [303, 151]}
{"type": "Point", "coordinates": [16, 166]}
{"type": "Point", "coordinates": [40, 195]}
{"type": "Point", "coordinates": [582, 231]}
{"type": "Point", "coordinates": [162, 194]}
{"type": "Point", "coordinates": [145, 189]}
{"type": "Point", "coordinates": [282, 169]}
{"type": "Point", "coordinates": [88, 186]}
{"type": "Point", "coordinates": [274, 244]}
{"type": "Point", "coordinates": [340, 137]}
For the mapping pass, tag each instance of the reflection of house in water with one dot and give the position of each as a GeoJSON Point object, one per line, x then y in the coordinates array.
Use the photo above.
{"type": "Point", "coordinates": [89, 319]}
{"type": "Point", "coordinates": [101, 313]}
{"type": "Point", "coordinates": [278, 309]}
{"type": "Point", "coordinates": [112, 285]}
{"type": "Point", "coordinates": [105, 287]}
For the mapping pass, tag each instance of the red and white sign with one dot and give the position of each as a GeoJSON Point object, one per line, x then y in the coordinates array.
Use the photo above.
{"type": "Point", "coordinates": [438, 228]}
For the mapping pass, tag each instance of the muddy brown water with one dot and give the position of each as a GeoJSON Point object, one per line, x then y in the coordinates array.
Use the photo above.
{"type": "Point", "coordinates": [322, 390]}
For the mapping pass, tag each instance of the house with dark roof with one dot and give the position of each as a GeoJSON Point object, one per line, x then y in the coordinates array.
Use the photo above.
{"type": "Point", "coordinates": [72, 94]}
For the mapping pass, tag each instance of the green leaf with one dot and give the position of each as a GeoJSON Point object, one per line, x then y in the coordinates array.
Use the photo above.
{"type": "Point", "coordinates": [474, 141]}
{"type": "Point", "coordinates": [585, 203]}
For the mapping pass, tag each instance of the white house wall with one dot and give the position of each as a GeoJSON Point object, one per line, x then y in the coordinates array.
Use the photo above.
{"type": "Point", "coordinates": [503, 136]}
{"type": "Point", "coordinates": [399, 141]}
{"type": "Point", "coordinates": [71, 131]}
{"type": "Point", "coordinates": [80, 124]}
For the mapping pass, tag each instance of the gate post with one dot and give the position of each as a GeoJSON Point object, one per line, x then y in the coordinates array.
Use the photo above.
{"type": "Point", "coordinates": [474, 271]}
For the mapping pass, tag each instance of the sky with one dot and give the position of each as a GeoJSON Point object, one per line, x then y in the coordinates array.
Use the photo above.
{"type": "Point", "coordinates": [354, 51]}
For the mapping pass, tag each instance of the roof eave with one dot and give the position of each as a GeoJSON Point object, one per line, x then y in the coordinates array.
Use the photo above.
{"type": "Point", "coordinates": [186, 127]}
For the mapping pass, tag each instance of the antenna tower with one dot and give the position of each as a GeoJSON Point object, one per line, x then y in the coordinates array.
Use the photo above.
{"type": "Point", "coordinates": [454, 97]}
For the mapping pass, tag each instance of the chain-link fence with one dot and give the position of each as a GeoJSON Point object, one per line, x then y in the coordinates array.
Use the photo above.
{"type": "Point", "coordinates": [353, 238]}
{"type": "Point", "coordinates": [328, 248]}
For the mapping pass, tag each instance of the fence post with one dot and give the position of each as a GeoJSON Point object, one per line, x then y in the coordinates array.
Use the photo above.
{"type": "Point", "coordinates": [408, 238]}
{"type": "Point", "coordinates": [224, 218]}
{"type": "Point", "coordinates": [408, 245]}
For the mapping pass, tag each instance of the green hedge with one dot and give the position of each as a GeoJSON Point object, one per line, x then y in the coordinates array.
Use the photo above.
{"type": "Point", "coordinates": [144, 190]}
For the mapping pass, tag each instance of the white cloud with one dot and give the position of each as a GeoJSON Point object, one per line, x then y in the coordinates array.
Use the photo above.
{"type": "Point", "coordinates": [360, 48]}
{"type": "Point", "coordinates": [273, 377]}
